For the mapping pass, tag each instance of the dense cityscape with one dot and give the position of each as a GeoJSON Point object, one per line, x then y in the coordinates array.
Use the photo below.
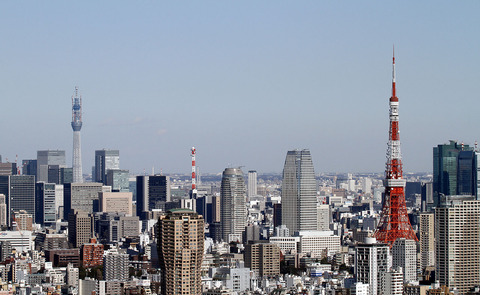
{"type": "Point", "coordinates": [65, 231]}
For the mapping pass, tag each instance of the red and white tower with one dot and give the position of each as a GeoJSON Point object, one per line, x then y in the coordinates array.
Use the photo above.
{"type": "Point", "coordinates": [394, 222]}
{"type": "Point", "coordinates": [194, 176]}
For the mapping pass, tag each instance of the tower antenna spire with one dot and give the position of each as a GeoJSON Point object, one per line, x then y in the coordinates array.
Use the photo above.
{"type": "Point", "coordinates": [394, 222]}
{"type": "Point", "coordinates": [77, 126]}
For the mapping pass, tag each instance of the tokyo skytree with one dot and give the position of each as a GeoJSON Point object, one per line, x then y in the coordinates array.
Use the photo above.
{"type": "Point", "coordinates": [76, 126]}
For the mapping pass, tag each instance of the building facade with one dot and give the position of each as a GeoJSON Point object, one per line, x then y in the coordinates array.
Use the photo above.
{"type": "Point", "coordinates": [371, 264]}
{"type": "Point", "coordinates": [180, 245]}
{"type": "Point", "coordinates": [252, 183]}
{"type": "Point", "coordinates": [457, 239]}
{"type": "Point", "coordinates": [427, 240]}
{"type": "Point", "coordinates": [233, 209]}
{"type": "Point", "coordinates": [104, 161]}
{"type": "Point", "coordinates": [299, 192]}
{"type": "Point", "coordinates": [152, 193]}
{"type": "Point", "coordinates": [262, 257]}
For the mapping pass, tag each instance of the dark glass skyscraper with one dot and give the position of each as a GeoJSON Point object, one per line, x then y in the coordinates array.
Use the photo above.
{"type": "Point", "coordinates": [19, 191]}
{"type": "Point", "coordinates": [467, 173]}
{"type": "Point", "coordinates": [105, 160]}
{"type": "Point", "coordinates": [152, 193]}
{"type": "Point", "coordinates": [445, 162]}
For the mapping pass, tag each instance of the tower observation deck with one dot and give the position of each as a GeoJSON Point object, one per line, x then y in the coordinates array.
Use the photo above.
{"type": "Point", "coordinates": [77, 126]}
{"type": "Point", "coordinates": [394, 222]}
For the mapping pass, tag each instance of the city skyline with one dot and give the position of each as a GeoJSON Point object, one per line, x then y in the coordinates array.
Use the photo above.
{"type": "Point", "coordinates": [149, 72]}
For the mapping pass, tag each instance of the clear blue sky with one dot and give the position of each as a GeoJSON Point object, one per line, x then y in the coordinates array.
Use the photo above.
{"type": "Point", "coordinates": [243, 81]}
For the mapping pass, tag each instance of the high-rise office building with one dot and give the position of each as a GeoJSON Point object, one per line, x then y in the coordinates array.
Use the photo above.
{"type": "Point", "coordinates": [3, 211]}
{"type": "Point", "coordinates": [47, 158]}
{"type": "Point", "coordinates": [80, 228]}
{"type": "Point", "coordinates": [467, 173]}
{"type": "Point", "coordinates": [104, 161]}
{"type": "Point", "coordinates": [180, 245]}
{"type": "Point", "coordinates": [233, 209]}
{"type": "Point", "coordinates": [252, 183]}
{"type": "Point", "coordinates": [152, 193]}
{"type": "Point", "coordinates": [216, 217]}
{"type": "Point", "coordinates": [19, 191]}
{"type": "Point", "coordinates": [427, 240]}
{"type": "Point", "coordinates": [457, 240]}
{"type": "Point", "coordinates": [118, 180]}
{"type": "Point", "coordinates": [371, 264]}
{"type": "Point", "coordinates": [404, 254]}
{"type": "Point", "coordinates": [299, 192]}
{"type": "Point", "coordinates": [45, 203]}
{"type": "Point", "coordinates": [8, 169]}
{"type": "Point", "coordinates": [77, 145]}
{"type": "Point", "coordinates": [29, 167]}
{"type": "Point", "coordinates": [116, 202]}
{"type": "Point", "coordinates": [81, 196]}
{"type": "Point", "coordinates": [445, 162]}
{"type": "Point", "coordinates": [59, 175]}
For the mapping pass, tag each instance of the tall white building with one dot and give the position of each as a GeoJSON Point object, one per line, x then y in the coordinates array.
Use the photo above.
{"type": "Point", "coordinates": [404, 255]}
{"type": "Point", "coordinates": [252, 183]}
{"type": "Point", "coordinates": [323, 217]}
{"type": "Point", "coordinates": [371, 264]}
{"type": "Point", "coordinates": [427, 240]}
{"type": "Point", "coordinates": [299, 192]}
{"type": "Point", "coordinates": [233, 209]}
{"type": "Point", "coordinates": [457, 243]}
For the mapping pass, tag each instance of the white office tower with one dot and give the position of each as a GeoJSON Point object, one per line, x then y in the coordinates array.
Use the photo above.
{"type": "Point", "coordinates": [299, 192]}
{"type": "Point", "coordinates": [77, 144]}
{"type": "Point", "coordinates": [393, 282]}
{"type": "Point", "coordinates": [427, 240]}
{"type": "Point", "coordinates": [457, 241]}
{"type": "Point", "coordinates": [404, 255]}
{"type": "Point", "coordinates": [323, 217]}
{"type": "Point", "coordinates": [233, 209]}
{"type": "Point", "coordinates": [252, 183]}
{"type": "Point", "coordinates": [371, 264]}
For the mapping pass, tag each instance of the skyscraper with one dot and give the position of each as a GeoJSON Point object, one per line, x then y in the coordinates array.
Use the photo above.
{"type": "Point", "coordinates": [467, 173]}
{"type": "Point", "coordinates": [180, 250]}
{"type": "Point", "coordinates": [152, 193]}
{"type": "Point", "coordinates": [81, 196]}
{"type": "Point", "coordinates": [371, 264]}
{"type": "Point", "coordinates": [252, 183]}
{"type": "Point", "coordinates": [80, 228]}
{"type": "Point", "coordinates": [299, 192]}
{"type": "Point", "coordinates": [104, 161]}
{"type": "Point", "coordinates": [77, 126]}
{"type": "Point", "coordinates": [45, 203]}
{"type": "Point", "coordinates": [445, 163]}
{"type": "Point", "coordinates": [233, 209]}
{"type": "Point", "coordinates": [427, 240]}
{"type": "Point", "coordinates": [404, 253]}
{"type": "Point", "coordinates": [457, 240]}
{"type": "Point", "coordinates": [19, 191]}
{"type": "Point", "coordinates": [48, 158]}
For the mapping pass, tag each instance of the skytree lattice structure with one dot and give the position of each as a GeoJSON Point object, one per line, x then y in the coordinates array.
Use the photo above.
{"type": "Point", "coordinates": [394, 222]}
{"type": "Point", "coordinates": [76, 126]}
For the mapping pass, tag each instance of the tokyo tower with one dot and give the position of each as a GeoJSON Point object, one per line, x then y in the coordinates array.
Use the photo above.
{"type": "Point", "coordinates": [394, 222]}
